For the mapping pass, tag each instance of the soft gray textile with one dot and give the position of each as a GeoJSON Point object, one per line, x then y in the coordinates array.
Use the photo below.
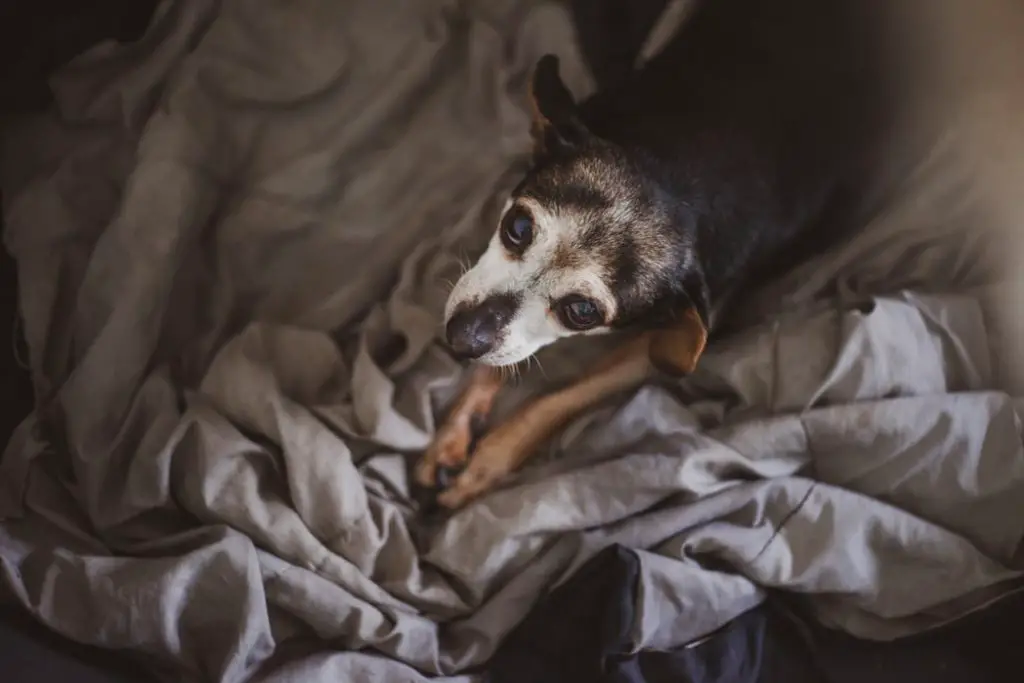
{"type": "Point", "coordinates": [234, 240]}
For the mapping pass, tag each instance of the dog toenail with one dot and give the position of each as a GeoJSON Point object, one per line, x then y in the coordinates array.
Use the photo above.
{"type": "Point", "coordinates": [446, 475]}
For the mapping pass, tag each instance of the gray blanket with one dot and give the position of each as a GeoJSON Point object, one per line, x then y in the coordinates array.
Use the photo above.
{"type": "Point", "coordinates": [234, 239]}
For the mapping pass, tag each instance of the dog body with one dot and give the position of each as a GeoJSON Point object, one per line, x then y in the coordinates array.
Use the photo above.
{"type": "Point", "coordinates": [740, 149]}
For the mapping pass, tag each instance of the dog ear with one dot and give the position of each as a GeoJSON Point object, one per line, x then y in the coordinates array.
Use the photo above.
{"type": "Point", "coordinates": [676, 346]}
{"type": "Point", "coordinates": [555, 124]}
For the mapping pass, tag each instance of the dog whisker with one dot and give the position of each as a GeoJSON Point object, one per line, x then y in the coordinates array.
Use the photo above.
{"type": "Point", "coordinates": [540, 367]}
{"type": "Point", "coordinates": [464, 263]}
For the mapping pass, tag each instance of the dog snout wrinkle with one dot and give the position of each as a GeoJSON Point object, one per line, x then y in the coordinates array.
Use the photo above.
{"type": "Point", "coordinates": [474, 331]}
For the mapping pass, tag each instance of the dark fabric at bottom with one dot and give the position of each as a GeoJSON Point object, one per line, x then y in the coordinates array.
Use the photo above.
{"type": "Point", "coordinates": [580, 632]}
{"type": "Point", "coordinates": [29, 653]}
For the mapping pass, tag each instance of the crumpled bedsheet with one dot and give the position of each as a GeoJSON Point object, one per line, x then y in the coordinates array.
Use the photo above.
{"type": "Point", "coordinates": [234, 240]}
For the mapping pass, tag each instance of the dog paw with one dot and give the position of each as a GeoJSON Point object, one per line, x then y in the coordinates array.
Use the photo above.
{"type": "Point", "coordinates": [447, 455]}
{"type": "Point", "coordinates": [493, 459]}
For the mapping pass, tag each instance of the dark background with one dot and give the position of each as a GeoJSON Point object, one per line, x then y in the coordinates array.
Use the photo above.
{"type": "Point", "coordinates": [37, 36]}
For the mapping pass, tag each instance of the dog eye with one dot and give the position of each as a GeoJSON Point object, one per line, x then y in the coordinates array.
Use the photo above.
{"type": "Point", "coordinates": [579, 314]}
{"type": "Point", "coordinates": [516, 230]}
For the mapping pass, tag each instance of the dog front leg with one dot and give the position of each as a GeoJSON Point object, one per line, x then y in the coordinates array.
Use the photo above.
{"type": "Point", "coordinates": [509, 445]}
{"type": "Point", "coordinates": [450, 448]}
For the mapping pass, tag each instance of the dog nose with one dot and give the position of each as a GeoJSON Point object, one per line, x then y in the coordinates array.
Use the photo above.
{"type": "Point", "coordinates": [472, 332]}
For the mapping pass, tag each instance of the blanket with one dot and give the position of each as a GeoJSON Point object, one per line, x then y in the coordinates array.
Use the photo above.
{"type": "Point", "coordinates": [234, 239]}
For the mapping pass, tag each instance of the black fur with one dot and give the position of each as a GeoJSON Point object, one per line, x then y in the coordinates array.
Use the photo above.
{"type": "Point", "coordinates": [746, 144]}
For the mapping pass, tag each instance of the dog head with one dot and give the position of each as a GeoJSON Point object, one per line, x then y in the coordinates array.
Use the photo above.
{"type": "Point", "coordinates": [588, 242]}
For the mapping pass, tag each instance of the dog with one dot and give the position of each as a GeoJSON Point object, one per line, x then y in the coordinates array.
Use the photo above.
{"type": "Point", "coordinates": [739, 150]}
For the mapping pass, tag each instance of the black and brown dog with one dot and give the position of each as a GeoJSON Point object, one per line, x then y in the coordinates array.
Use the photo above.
{"type": "Point", "coordinates": [742, 147]}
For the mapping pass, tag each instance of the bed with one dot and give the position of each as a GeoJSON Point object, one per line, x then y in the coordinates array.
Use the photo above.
{"type": "Point", "coordinates": [233, 238]}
